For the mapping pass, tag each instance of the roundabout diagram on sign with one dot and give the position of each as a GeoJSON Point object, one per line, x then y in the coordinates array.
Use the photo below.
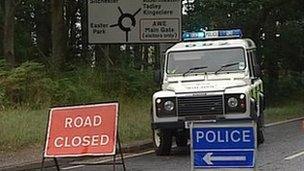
{"type": "Point", "coordinates": [136, 21]}
{"type": "Point", "coordinates": [126, 22]}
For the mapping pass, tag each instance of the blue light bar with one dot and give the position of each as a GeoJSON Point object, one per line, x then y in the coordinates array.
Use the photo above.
{"type": "Point", "coordinates": [194, 35]}
{"type": "Point", "coordinates": [218, 34]}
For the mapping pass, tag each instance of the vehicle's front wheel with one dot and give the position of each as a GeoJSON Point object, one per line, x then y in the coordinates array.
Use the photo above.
{"type": "Point", "coordinates": [181, 139]}
{"type": "Point", "coordinates": [162, 139]}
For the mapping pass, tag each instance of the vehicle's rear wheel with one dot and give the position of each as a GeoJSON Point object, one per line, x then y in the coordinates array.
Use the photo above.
{"type": "Point", "coordinates": [181, 139]}
{"type": "Point", "coordinates": [162, 139]}
{"type": "Point", "coordinates": [261, 138]}
{"type": "Point", "coordinates": [260, 131]}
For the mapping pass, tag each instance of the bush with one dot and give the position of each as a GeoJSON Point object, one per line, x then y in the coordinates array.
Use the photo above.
{"type": "Point", "coordinates": [286, 86]}
{"type": "Point", "coordinates": [25, 85]}
{"type": "Point", "coordinates": [129, 82]}
{"type": "Point", "coordinates": [30, 85]}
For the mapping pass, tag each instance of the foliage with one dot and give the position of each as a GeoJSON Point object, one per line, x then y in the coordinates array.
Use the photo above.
{"type": "Point", "coordinates": [30, 85]}
{"type": "Point", "coordinates": [25, 84]}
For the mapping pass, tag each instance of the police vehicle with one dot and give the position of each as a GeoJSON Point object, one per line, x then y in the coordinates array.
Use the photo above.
{"type": "Point", "coordinates": [212, 76]}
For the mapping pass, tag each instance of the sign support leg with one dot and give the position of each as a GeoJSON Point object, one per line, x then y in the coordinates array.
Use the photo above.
{"type": "Point", "coordinates": [121, 155]}
{"type": "Point", "coordinates": [114, 162]}
{"type": "Point", "coordinates": [42, 163]}
{"type": "Point", "coordinates": [56, 163]}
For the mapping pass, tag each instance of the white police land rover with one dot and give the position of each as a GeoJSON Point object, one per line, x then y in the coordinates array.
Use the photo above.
{"type": "Point", "coordinates": [211, 75]}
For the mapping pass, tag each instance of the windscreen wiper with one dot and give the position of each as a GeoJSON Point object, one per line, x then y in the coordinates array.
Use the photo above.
{"type": "Point", "coordinates": [226, 66]}
{"type": "Point", "coordinates": [194, 69]}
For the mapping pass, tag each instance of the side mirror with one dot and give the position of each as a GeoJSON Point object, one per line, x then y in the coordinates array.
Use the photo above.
{"type": "Point", "coordinates": [257, 71]}
{"type": "Point", "coordinates": [158, 76]}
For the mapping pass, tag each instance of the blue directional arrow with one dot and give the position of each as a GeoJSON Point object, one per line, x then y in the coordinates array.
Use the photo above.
{"type": "Point", "coordinates": [209, 159]}
{"type": "Point", "coordinates": [212, 159]}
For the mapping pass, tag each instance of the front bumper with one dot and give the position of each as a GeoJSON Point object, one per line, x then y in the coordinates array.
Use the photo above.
{"type": "Point", "coordinates": [168, 125]}
{"type": "Point", "coordinates": [181, 124]}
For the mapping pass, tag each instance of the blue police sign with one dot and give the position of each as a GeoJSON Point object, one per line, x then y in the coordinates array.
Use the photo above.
{"type": "Point", "coordinates": [223, 146]}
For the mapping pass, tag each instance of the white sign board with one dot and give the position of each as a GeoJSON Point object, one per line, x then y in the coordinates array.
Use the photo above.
{"type": "Point", "coordinates": [134, 21]}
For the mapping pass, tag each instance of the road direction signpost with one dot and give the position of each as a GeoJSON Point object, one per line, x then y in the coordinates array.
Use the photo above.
{"type": "Point", "coordinates": [225, 145]}
{"type": "Point", "coordinates": [134, 21]}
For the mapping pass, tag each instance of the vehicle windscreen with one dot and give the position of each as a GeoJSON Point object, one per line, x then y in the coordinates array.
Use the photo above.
{"type": "Point", "coordinates": [208, 60]}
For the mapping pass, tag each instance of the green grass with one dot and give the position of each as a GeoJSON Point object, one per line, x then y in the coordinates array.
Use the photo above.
{"type": "Point", "coordinates": [24, 128]}
{"type": "Point", "coordinates": [134, 120]}
{"type": "Point", "coordinates": [284, 111]}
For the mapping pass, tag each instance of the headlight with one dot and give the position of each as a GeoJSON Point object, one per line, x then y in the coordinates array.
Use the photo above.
{"type": "Point", "coordinates": [165, 107]}
{"type": "Point", "coordinates": [168, 105]}
{"type": "Point", "coordinates": [233, 102]}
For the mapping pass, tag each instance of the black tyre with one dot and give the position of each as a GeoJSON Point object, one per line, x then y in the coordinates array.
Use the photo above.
{"type": "Point", "coordinates": [181, 140]}
{"type": "Point", "coordinates": [162, 139]}
{"type": "Point", "coordinates": [260, 131]}
{"type": "Point", "coordinates": [261, 138]}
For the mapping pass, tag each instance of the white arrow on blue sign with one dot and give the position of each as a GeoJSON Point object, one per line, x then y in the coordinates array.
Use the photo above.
{"type": "Point", "coordinates": [226, 159]}
{"type": "Point", "coordinates": [209, 158]}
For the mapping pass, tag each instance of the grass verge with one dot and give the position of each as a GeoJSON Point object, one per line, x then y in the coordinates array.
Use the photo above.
{"type": "Point", "coordinates": [284, 111]}
{"type": "Point", "coordinates": [24, 128]}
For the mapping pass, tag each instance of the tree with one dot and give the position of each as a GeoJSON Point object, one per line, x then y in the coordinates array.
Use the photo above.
{"type": "Point", "coordinates": [9, 32]}
{"type": "Point", "coordinates": [59, 35]}
{"type": "Point", "coordinates": [43, 28]}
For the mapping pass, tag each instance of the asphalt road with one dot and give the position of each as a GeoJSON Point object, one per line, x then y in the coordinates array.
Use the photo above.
{"type": "Point", "coordinates": [283, 150]}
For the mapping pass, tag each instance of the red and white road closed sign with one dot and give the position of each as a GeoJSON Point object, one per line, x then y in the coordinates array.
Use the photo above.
{"type": "Point", "coordinates": [88, 130]}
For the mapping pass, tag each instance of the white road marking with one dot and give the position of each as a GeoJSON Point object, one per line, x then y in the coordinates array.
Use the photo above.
{"type": "Point", "coordinates": [72, 167]}
{"type": "Point", "coordinates": [284, 122]}
{"type": "Point", "coordinates": [108, 160]}
{"type": "Point", "coordinates": [295, 156]}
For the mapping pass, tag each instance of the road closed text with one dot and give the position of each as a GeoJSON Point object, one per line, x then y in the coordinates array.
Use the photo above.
{"type": "Point", "coordinates": [95, 140]}
{"type": "Point", "coordinates": [85, 141]}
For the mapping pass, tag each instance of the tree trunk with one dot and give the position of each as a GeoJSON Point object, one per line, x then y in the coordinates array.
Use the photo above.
{"type": "Point", "coordinates": [59, 41]}
{"type": "Point", "coordinates": [137, 56]}
{"type": "Point", "coordinates": [84, 30]}
{"type": "Point", "coordinates": [71, 20]}
{"type": "Point", "coordinates": [8, 32]}
{"type": "Point", "coordinates": [146, 57]}
{"type": "Point", "coordinates": [43, 17]}
{"type": "Point", "coordinates": [101, 58]}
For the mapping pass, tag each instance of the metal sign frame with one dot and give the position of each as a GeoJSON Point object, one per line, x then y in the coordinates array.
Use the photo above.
{"type": "Point", "coordinates": [117, 149]}
{"type": "Point", "coordinates": [223, 124]}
